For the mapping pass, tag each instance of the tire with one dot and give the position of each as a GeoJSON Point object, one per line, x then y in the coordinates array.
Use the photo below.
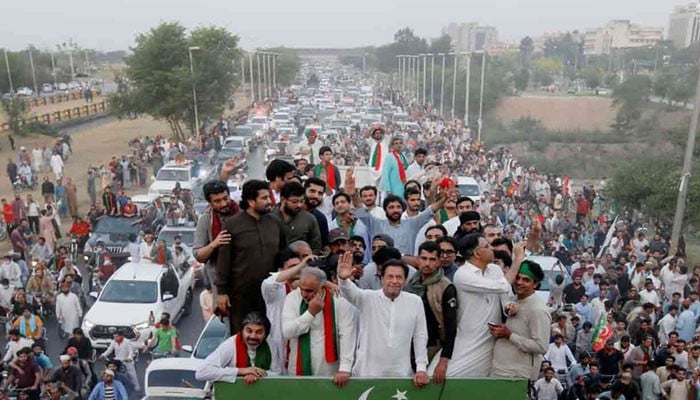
{"type": "Point", "coordinates": [187, 307]}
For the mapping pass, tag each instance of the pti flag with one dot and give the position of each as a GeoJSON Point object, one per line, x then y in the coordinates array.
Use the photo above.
{"type": "Point", "coordinates": [314, 388]}
{"type": "Point", "coordinates": [602, 333]}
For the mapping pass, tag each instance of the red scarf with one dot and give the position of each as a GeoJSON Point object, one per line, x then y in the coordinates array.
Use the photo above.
{"type": "Point", "coordinates": [330, 174]}
{"type": "Point", "coordinates": [402, 167]}
{"type": "Point", "coordinates": [241, 353]}
{"type": "Point", "coordinates": [161, 256]}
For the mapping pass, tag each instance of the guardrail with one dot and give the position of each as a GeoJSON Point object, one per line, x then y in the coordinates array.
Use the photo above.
{"type": "Point", "coordinates": [39, 101]}
{"type": "Point", "coordinates": [69, 114]}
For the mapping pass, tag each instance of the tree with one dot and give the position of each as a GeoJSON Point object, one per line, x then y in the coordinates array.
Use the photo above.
{"type": "Point", "coordinates": [521, 79]}
{"type": "Point", "coordinates": [288, 64]}
{"type": "Point", "coordinates": [442, 44]}
{"type": "Point", "coordinates": [157, 80]}
{"type": "Point", "coordinates": [628, 99]}
{"type": "Point", "coordinates": [544, 71]}
{"type": "Point", "coordinates": [592, 76]}
{"type": "Point", "coordinates": [16, 109]}
{"type": "Point", "coordinates": [650, 185]}
{"type": "Point", "coordinates": [527, 47]}
{"type": "Point", "coordinates": [526, 127]}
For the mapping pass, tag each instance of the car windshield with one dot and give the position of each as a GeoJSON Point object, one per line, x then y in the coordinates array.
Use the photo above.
{"type": "Point", "coordinates": [176, 378]}
{"type": "Point", "coordinates": [259, 120]}
{"type": "Point", "coordinates": [469, 190]}
{"type": "Point", "coordinates": [179, 175]}
{"type": "Point", "coordinates": [243, 131]}
{"type": "Point", "coordinates": [169, 236]}
{"type": "Point", "coordinates": [340, 122]}
{"type": "Point", "coordinates": [215, 333]}
{"type": "Point", "coordinates": [111, 225]}
{"type": "Point", "coordinates": [137, 292]}
{"type": "Point", "coordinates": [233, 144]}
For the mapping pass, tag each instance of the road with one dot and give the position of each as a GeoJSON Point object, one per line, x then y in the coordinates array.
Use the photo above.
{"type": "Point", "coordinates": [189, 327]}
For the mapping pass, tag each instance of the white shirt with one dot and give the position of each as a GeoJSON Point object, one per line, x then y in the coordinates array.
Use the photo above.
{"type": "Point", "coordinates": [6, 295]}
{"type": "Point", "coordinates": [12, 347]}
{"type": "Point", "coordinates": [12, 273]}
{"type": "Point", "coordinates": [123, 351]}
{"type": "Point", "coordinates": [273, 293]}
{"type": "Point", "coordinates": [557, 356]}
{"type": "Point", "coordinates": [387, 329]}
{"type": "Point", "coordinates": [145, 251]}
{"type": "Point", "coordinates": [548, 390]}
{"type": "Point", "coordinates": [450, 225]}
{"type": "Point", "coordinates": [33, 209]}
{"type": "Point", "coordinates": [219, 366]}
{"type": "Point", "coordinates": [647, 296]}
{"type": "Point", "coordinates": [480, 296]}
{"type": "Point", "coordinates": [667, 324]}
{"type": "Point", "coordinates": [295, 325]}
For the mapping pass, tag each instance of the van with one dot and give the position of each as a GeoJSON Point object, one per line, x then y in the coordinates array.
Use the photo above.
{"type": "Point", "coordinates": [468, 187]}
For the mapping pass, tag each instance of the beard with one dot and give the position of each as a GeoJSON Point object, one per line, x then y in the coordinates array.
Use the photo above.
{"type": "Point", "coordinates": [225, 210]}
{"type": "Point", "coordinates": [394, 217]}
{"type": "Point", "coordinates": [290, 211]}
{"type": "Point", "coordinates": [253, 343]}
{"type": "Point", "coordinates": [311, 203]}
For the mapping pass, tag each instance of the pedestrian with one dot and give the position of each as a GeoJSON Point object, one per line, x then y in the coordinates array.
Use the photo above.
{"type": "Point", "coordinates": [320, 328]}
{"type": "Point", "coordinates": [394, 169]}
{"type": "Point", "coordinates": [47, 190]}
{"type": "Point", "coordinates": [91, 191]}
{"type": "Point", "coordinates": [46, 229]}
{"type": "Point", "coordinates": [61, 198]}
{"type": "Point", "coordinates": [68, 310]}
{"type": "Point", "coordinates": [206, 302]}
{"type": "Point", "coordinates": [72, 197]}
{"type": "Point", "coordinates": [110, 389]}
{"type": "Point", "coordinates": [124, 351]}
{"type": "Point", "coordinates": [524, 338]}
{"type": "Point", "coordinates": [8, 215]}
{"type": "Point", "coordinates": [33, 214]}
{"type": "Point", "coordinates": [57, 165]}
{"type": "Point", "coordinates": [256, 237]}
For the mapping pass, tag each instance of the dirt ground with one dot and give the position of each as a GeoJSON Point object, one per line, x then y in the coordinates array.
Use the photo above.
{"type": "Point", "coordinates": [49, 108]}
{"type": "Point", "coordinates": [559, 112]}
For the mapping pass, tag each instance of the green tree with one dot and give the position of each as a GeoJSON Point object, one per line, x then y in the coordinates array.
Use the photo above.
{"type": "Point", "coordinates": [16, 109]}
{"type": "Point", "coordinates": [527, 47]}
{"type": "Point", "coordinates": [629, 99]}
{"type": "Point", "coordinates": [521, 79]}
{"type": "Point", "coordinates": [650, 185]}
{"type": "Point", "coordinates": [157, 80]}
{"type": "Point", "coordinates": [592, 76]}
{"type": "Point", "coordinates": [442, 44]}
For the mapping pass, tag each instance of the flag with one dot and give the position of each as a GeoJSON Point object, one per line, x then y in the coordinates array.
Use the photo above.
{"type": "Point", "coordinates": [565, 186]}
{"type": "Point", "coordinates": [314, 388]}
{"type": "Point", "coordinates": [608, 238]}
{"type": "Point", "coordinates": [601, 333]}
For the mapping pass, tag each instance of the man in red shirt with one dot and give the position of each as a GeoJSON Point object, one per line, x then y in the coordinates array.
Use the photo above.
{"type": "Point", "coordinates": [8, 214]}
{"type": "Point", "coordinates": [583, 207]}
{"type": "Point", "coordinates": [81, 229]}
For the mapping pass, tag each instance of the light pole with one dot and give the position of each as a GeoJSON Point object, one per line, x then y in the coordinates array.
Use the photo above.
{"type": "Point", "coordinates": [72, 68]}
{"type": "Point", "coordinates": [454, 85]}
{"type": "Point", "coordinates": [274, 71]}
{"type": "Point", "coordinates": [442, 85]}
{"type": "Point", "coordinates": [425, 72]}
{"type": "Point", "coordinates": [416, 72]}
{"type": "Point", "coordinates": [194, 89]}
{"type": "Point", "coordinates": [9, 75]}
{"type": "Point", "coordinates": [264, 72]}
{"type": "Point", "coordinates": [432, 80]}
{"type": "Point", "coordinates": [685, 177]}
{"type": "Point", "coordinates": [31, 65]}
{"type": "Point", "coordinates": [250, 70]}
{"type": "Point", "coordinates": [481, 94]}
{"type": "Point", "coordinates": [53, 72]}
{"type": "Point", "coordinates": [257, 60]}
{"type": "Point", "coordinates": [242, 70]}
{"type": "Point", "coordinates": [466, 90]}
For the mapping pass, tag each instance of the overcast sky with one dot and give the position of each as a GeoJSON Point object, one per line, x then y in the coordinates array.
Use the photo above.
{"type": "Point", "coordinates": [112, 24]}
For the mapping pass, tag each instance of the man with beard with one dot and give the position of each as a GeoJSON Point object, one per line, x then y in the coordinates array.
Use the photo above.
{"type": "Point", "coordinates": [469, 222]}
{"type": "Point", "coordinates": [523, 340]}
{"type": "Point", "coordinates": [277, 173]}
{"type": "Point", "coordinates": [314, 189]}
{"type": "Point", "coordinates": [297, 223]}
{"type": "Point", "coordinates": [342, 203]}
{"type": "Point", "coordinates": [482, 290]}
{"type": "Point", "coordinates": [320, 328]}
{"type": "Point", "coordinates": [404, 231]}
{"type": "Point", "coordinates": [368, 196]}
{"type": "Point", "coordinates": [439, 298]}
{"type": "Point", "coordinates": [247, 354]}
{"type": "Point", "coordinates": [248, 258]}
{"type": "Point", "coordinates": [209, 234]}
{"type": "Point", "coordinates": [394, 169]}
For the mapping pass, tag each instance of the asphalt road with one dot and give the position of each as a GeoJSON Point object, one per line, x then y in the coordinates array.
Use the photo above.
{"type": "Point", "coordinates": [189, 327]}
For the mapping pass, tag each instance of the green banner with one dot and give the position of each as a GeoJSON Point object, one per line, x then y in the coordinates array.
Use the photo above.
{"type": "Point", "coordinates": [310, 388]}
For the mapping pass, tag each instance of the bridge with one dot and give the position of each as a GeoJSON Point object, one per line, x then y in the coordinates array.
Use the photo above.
{"type": "Point", "coordinates": [330, 53]}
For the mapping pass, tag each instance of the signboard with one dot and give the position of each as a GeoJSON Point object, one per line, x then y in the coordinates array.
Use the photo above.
{"type": "Point", "coordinates": [313, 388]}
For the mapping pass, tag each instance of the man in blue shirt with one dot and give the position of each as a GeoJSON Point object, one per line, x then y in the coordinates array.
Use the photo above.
{"type": "Point", "coordinates": [109, 388]}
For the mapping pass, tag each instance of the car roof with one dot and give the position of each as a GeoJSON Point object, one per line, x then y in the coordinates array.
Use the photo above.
{"type": "Point", "coordinates": [178, 228]}
{"type": "Point", "coordinates": [466, 180]}
{"type": "Point", "coordinates": [189, 364]}
{"type": "Point", "coordinates": [174, 165]}
{"type": "Point", "coordinates": [144, 198]}
{"type": "Point", "coordinates": [231, 138]}
{"type": "Point", "coordinates": [138, 272]}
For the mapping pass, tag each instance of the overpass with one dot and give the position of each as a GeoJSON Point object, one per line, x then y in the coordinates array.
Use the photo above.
{"type": "Point", "coordinates": [329, 52]}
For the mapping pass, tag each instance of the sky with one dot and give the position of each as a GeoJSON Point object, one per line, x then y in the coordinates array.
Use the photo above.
{"type": "Point", "coordinates": [113, 24]}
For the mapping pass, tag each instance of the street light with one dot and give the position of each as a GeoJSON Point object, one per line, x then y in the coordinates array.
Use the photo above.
{"type": "Point", "coordinates": [481, 93]}
{"type": "Point", "coordinates": [194, 89]}
{"type": "Point", "coordinates": [442, 84]}
{"type": "Point", "coordinates": [454, 85]}
{"type": "Point", "coordinates": [466, 90]}
{"type": "Point", "coordinates": [9, 75]}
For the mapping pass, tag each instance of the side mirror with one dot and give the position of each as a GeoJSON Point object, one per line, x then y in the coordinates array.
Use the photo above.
{"type": "Point", "coordinates": [168, 297]}
{"type": "Point", "coordinates": [93, 295]}
{"type": "Point", "coordinates": [187, 348]}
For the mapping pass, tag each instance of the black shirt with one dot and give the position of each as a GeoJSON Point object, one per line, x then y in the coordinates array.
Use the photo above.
{"type": "Point", "coordinates": [449, 315]}
{"type": "Point", "coordinates": [47, 187]}
{"type": "Point", "coordinates": [572, 295]}
{"type": "Point", "coordinates": [609, 363]}
{"type": "Point", "coordinates": [84, 347]}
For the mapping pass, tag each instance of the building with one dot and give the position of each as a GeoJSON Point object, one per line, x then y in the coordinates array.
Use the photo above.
{"type": "Point", "coordinates": [620, 34]}
{"type": "Point", "coordinates": [684, 25]}
{"type": "Point", "coordinates": [469, 36]}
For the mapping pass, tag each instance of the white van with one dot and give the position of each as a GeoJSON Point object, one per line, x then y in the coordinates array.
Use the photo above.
{"type": "Point", "coordinates": [468, 187]}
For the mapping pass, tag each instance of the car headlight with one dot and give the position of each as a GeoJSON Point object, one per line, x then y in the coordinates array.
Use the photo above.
{"type": "Point", "coordinates": [141, 325]}
{"type": "Point", "coordinates": [88, 324]}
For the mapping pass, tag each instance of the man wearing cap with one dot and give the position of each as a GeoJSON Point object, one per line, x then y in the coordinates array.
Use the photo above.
{"type": "Point", "coordinates": [247, 354]}
{"type": "Point", "coordinates": [109, 388]}
{"type": "Point", "coordinates": [67, 374]}
{"type": "Point", "coordinates": [523, 340]}
{"type": "Point", "coordinates": [469, 222]}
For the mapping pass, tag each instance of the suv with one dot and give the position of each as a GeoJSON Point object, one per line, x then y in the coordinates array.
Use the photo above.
{"type": "Point", "coordinates": [132, 297]}
{"type": "Point", "coordinates": [212, 335]}
{"type": "Point", "coordinates": [174, 378]}
{"type": "Point", "coordinates": [186, 173]}
{"type": "Point", "coordinates": [114, 232]}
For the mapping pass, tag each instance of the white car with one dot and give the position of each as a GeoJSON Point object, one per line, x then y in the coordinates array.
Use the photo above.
{"type": "Point", "coordinates": [174, 378]}
{"type": "Point", "coordinates": [187, 174]}
{"type": "Point", "coordinates": [134, 294]}
{"type": "Point", "coordinates": [261, 121]}
{"type": "Point", "coordinates": [280, 118]}
{"type": "Point", "coordinates": [468, 187]}
{"type": "Point", "coordinates": [25, 91]}
{"type": "Point", "coordinates": [46, 88]}
{"type": "Point", "coordinates": [548, 264]}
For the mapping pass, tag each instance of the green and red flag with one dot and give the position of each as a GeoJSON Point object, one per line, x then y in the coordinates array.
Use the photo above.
{"type": "Point", "coordinates": [602, 332]}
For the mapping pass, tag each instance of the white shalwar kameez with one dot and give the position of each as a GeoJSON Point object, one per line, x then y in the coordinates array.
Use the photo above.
{"type": "Point", "coordinates": [387, 329]}
{"type": "Point", "coordinates": [481, 297]}
{"type": "Point", "coordinates": [68, 311]}
{"type": "Point", "coordinates": [295, 325]}
{"type": "Point", "coordinates": [273, 293]}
